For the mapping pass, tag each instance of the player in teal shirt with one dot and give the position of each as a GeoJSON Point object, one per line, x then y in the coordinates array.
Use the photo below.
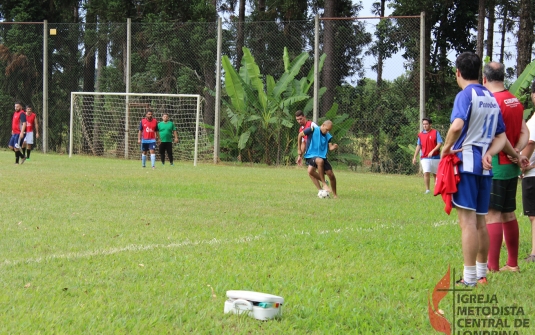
{"type": "Point", "coordinates": [168, 135]}
{"type": "Point", "coordinates": [318, 143]}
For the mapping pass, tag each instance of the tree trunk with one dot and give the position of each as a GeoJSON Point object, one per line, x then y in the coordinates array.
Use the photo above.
{"type": "Point", "coordinates": [480, 31]}
{"type": "Point", "coordinates": [88, 85]}
{"type": "Point", "coordinates": [503, 32]}
{"type": "Point", "coordinates": [210, 78]}
{"type": "Point", "coordinates": [490, 28]}
{"type": "Point", "coordinates": [380, 52]}
{"type": "Point", "coordinates": [328, 74]}
{"type": "Point", "coordinates": [525, 37]}
{"type": "Point", "coordinates": [98, 146]}
{"type": "Point", "coordinates": [241, 34]}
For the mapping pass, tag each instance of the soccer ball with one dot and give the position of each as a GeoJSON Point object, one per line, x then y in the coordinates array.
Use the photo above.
{"type": "Point", "coordinates": [322, 194]}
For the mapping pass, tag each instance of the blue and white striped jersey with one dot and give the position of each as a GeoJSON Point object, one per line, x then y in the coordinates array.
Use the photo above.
{"type": "Point", "coordinates": [478, 108]}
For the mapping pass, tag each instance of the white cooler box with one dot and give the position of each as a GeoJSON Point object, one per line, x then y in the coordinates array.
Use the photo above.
{"type": "Point", "coordinates": [261, 306]}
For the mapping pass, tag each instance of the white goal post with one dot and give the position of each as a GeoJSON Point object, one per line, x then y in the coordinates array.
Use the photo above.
{"type": "Point", "coordinates": [106, 124]}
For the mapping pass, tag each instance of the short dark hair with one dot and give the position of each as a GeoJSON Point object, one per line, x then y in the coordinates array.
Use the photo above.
{"type": "Point", "coordinates": [468, 64]}
{"type": "Point", "coordinates": [29, 106]}
{"type": "Point", "coordinates": [299, 113]}
{"type": "Point", "coordinates": [427, 119]}
{"type": "Point", "coordinates": [533, 87]}
{"type": "Point", "coordinates": [18, 103]}
{"type": "Point", "coordinates": [494, 71]}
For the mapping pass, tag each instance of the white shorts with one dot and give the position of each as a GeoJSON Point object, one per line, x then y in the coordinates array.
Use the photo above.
{"type": "Point", "coordinates": [29, 138]}
{"type": "Point", "coordinates": [429, 165]}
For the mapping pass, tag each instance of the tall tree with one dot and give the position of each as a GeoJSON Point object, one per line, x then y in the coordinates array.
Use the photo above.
{"type": "Point", "coordinates": [329, 79]}
{"type": "Point", "coordinates": [525, 36]}
{"type": "Point", "coordinates": [241, 33]}
{"type": "Point", "coordinates": [480, 31]}
{"type": "Point", "coordinates": [490, 29]}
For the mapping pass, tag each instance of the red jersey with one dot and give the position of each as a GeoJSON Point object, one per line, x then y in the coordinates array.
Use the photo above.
{"type": "Point", "coordinates": [30, 119]}
{"type": "Point", "coordinates": [513, 114]}
{"type": "Point", "coordinates": [428, 141]}
{"type": "Point", "coordinates": [18, 119]}
{"type": "Point", "coordinates": [301, 128]}
{"type": "Point", "coordinates": [149, 129]}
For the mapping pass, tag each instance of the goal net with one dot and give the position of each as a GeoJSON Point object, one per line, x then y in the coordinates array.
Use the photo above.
{"type": "Point", "coordinates": [107, 124]}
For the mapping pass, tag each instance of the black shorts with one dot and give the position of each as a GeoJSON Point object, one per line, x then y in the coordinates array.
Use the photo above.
{"type": "Point", "coordinates": [528, 196]}
{"type": "Point", "coordinates": [312, 162]}
{"type": "Point", "coordinates": [503, 195]}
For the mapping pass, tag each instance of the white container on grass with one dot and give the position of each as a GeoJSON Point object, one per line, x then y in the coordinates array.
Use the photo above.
{"type": "Point", "coordinates": [261, 306]}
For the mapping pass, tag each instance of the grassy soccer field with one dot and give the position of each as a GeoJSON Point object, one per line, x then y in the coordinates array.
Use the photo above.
{"type": "Point", "coordinates": [101, 246]}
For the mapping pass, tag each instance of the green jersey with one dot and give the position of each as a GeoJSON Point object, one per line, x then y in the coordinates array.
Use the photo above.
{"type": "Point", "coordinates": [166, 131]}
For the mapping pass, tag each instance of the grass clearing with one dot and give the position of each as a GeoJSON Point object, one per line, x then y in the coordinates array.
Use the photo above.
{"type": "Point", "coordinates": [91, 245]}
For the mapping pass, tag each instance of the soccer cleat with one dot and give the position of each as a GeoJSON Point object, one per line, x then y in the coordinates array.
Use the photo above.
{"type": "Point", "coordinates": [28, 158]}
{"type": "Point", "coordinates": [482, 281]}
{"type": "Point", "coordinates": [22, 160]}
{"type": "Point", "coordinates": [427, 192]}
{"type": "Point", "coordinates": [143, 166]}
{"type": "Point", "coordinates": [461, 282]}
{"type": "Point", "coordinates": [530, 258]}
{"type": "Point", "coordinates": [154, 167]}
{"type": "Point", "coordinates": [171, 164]}
{"type": "Point", "coordinates": [510, 268]}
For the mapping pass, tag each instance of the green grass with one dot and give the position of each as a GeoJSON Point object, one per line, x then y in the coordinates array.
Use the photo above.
{"type": "Point", "coordinates": [102, 246]}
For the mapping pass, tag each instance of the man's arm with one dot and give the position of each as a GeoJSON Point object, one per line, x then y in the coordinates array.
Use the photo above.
{"type": "Point", "coordinates": [418, 148]}
{"type": "Point", "coordinates": [501, 143]}
{"type": "Point", "coordinates": [175, 134]}
{"type": "Point", "coordinates": [333, 146]}
{"type": "Point", "coordinates": [528, 152]}
{"type": "Point", "coordinates": [299, 140]}
{"type": "Point", "coordinates": [453, 135]}
{"type": "Point", "coordinates": [36, 125]}
{"type": "Point", "coordinates": [523, 138]}
{"type": "Point", "coordinates": [431, 154]}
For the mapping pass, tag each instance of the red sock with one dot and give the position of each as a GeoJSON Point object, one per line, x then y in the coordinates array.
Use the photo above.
{"type": "Point", "coordinates": [495, 238]}
{"type": "Point", "coordinates": [510, 232]}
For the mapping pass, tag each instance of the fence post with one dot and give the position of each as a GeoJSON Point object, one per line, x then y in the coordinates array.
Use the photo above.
{"type": "Point", "coordinates": [422, 69]}
{"type": "Point", "coordinates": [127, 82]}
{"type": "Point", "coordinates": [44, 130]}
{"type": "Point", "coordinates": [217, 109]}
{"type": "Point", "coordinates": [316, 66]}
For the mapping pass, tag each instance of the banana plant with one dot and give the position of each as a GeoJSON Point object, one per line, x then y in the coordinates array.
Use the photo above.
{"type": "Point", "coordinates": [263, 109]}
{"type": "Point", "coordinates": [520, 88]}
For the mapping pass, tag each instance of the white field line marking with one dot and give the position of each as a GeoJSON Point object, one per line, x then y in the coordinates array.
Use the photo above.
{"type": "Point", "coordinates": [213, 241]}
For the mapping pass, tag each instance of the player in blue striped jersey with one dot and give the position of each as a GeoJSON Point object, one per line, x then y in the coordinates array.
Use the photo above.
{"type": "Point", "coordinates": [477, 132]}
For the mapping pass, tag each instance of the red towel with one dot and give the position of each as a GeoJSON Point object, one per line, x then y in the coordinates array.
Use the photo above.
{"type": "Point", "coordinates": [447, 178]}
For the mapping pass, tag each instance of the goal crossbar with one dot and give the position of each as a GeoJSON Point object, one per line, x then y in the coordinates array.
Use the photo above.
{"type": "Point", "coordinates": [96, 120]}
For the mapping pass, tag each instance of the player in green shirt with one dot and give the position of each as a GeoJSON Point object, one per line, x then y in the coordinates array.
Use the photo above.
{"type": "Point", "coordinates": [168, 135]}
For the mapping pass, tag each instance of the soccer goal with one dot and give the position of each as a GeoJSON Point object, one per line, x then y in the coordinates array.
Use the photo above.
{"type": "Point", "coordinates": [107, 124]}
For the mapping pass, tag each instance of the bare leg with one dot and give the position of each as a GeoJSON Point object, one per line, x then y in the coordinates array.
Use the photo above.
{"type": "Point", "coordinates": [321, 173]}
{"type": "Point", "coordinates": [475, 238]}
{"type": "Point", "coordinates": [314, 176]}
{"type": "Point", "coordinates": [332, 178]}
{"type": "Point", "coordinates": [427, 177]}
{"type": "Point", "coordinates": [532, 219]}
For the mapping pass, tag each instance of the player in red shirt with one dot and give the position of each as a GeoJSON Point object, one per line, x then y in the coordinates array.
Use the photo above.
{"type": "Point", "coordinates": [31, 123]}
{"type": "Point", "coordinates": [18, 130]}
{"type": "Point", "coordinates": [501, 219]}
{"type": "Point", "coordinates": [147, 136]}
{"type": "Point", "coordinates": [303, 124]}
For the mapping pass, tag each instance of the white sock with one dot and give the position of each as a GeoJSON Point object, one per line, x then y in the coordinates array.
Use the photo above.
{"type": "Point", "coordinates": [143, 159]}
{"type": "Point", "coordinates": [470, 274]}
{"type": "Point", "coordinates": [152, 159]}
{"type": "Point", "coordinates": [481, 269]}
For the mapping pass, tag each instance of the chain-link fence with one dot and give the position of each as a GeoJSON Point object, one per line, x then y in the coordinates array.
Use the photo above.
{"type": "Point", "coordinates": [368, 80]}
